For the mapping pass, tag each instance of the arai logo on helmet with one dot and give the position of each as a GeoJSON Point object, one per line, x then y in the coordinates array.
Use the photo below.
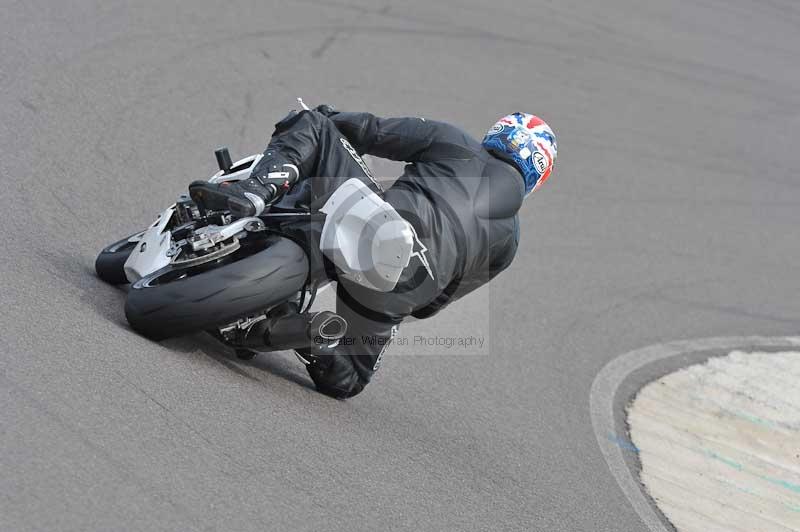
{"type": "Point", "coordinates": [497, 128]}
{"type": "Point", "coordinates": [540, 162]}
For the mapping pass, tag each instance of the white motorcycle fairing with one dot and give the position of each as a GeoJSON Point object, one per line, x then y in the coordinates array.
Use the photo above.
{"type": "Point", "coordinates": [150, 253]}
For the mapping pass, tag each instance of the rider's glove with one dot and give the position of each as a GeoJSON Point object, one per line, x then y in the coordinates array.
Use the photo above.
{"type": "Point", "coordinates": [325, 109]}
{"type": "Point", "coordinates": [265, 186]}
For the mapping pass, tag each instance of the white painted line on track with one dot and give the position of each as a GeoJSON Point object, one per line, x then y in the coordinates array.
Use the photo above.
{"type": "Point", "coordinates": [608, 380]}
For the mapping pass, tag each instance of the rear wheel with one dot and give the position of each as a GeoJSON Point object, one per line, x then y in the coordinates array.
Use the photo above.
{"type": "Point", "coordinates": [176, 301]}
{"type": "Point", "coordinates": [110, 263]}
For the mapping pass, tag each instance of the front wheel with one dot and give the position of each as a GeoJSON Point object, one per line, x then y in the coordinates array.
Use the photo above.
{"type": "Point", "coordinates": [177, 301]}
{"type": "Point", "coordinates": [110, 263]}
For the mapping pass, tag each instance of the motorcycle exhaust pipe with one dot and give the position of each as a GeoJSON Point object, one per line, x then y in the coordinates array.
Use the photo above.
{"type": "Point", "coordinates": [296, 331]}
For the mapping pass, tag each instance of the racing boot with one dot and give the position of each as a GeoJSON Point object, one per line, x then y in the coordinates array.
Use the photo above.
{"type": "Point", "coordinates": [266, 185]}
{"type": "Point", "coordinates": [249, 197]}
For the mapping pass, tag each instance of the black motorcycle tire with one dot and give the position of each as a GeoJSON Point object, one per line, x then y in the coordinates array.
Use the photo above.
{"type": "Point", "coordinates": [110, 262]}
{"type": "Point", "coordinates": [160, 310]}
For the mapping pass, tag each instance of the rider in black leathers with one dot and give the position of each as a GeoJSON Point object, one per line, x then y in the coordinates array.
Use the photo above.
{"type": "Point", "coordinates": [460, 199]}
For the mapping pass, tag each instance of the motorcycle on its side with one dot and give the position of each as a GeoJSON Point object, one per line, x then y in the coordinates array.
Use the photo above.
{"type": "Point", "coordinates": [252, 281]}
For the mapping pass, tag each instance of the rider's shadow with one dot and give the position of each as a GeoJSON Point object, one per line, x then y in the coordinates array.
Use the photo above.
{"type": "Point", "coordinates": [283, 365]}
{"type": "Point", "coordinates": [76, 272]}
{"type": "Point", "coordinates": [73, 271]}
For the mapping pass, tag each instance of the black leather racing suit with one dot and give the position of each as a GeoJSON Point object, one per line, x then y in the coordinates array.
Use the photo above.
{"type": "Point", "coordinates": [461, 200]}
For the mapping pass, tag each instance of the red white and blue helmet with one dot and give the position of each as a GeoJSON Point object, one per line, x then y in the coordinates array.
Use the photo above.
{"type": "Point", "coordinates": [529, 142]}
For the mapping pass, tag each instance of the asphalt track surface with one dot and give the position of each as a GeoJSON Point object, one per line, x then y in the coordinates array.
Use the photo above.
{"type": "Point", "coordinates": [673, 214]}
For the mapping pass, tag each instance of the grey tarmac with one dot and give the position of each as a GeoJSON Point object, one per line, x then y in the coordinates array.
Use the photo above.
{"type": "Point", "coordinates": [672, 215]}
